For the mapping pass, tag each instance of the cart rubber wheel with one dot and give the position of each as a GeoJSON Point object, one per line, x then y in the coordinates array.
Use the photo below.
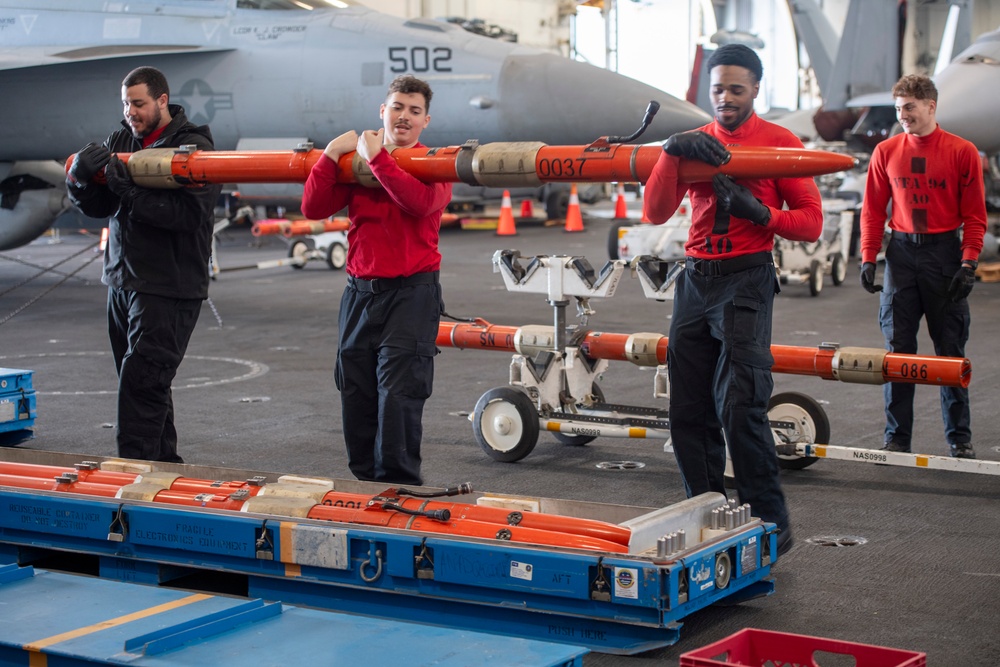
{"type": "Point", "coordinates": [557, 204]}
{"type": "Point", "coordinates": [815, 277]}
{"type": "Point", "coordinates": [613, 238]}
{"type": "Point", "coordinates": [336, 256]}
{"type": "Point", "coordinates": [839, 269]}
{"type": "Point", "coordinates": [299, 250]}
{"type": "Point", "coordinates": [580, 440]}
{"type": "Point", "coordinates": [723, 569]}
{"type": "Point", "coordinates": [505, 423]}
{"type": "Point", "coordinates": [813, 425]}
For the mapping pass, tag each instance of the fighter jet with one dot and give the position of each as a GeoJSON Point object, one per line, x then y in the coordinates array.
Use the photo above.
{"type": "Point", "coordinates": [966, 80]}
{"type": "Point", "coordinates": [273, 73]}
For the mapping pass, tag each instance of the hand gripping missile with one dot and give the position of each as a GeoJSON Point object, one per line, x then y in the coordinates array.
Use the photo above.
{"type": "Point", "coordinates": [857, 365]}
{"type": "Point", "coordinates": [504, 164]}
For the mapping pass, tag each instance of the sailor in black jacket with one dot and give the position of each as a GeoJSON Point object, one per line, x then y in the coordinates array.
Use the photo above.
{"type": "Point", "coordinates": [155, 262]}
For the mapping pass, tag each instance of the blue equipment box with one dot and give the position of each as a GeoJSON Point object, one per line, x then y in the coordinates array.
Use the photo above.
{"type": "Point", "coordinates": [17, 400]}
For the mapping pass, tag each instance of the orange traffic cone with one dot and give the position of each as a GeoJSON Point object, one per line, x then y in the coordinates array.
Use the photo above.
{"type": "Point", "coordinates": [574, 221]}
{"type": "Point", "coordinates": [527, 211]}
{"type": "Point", "coordinates": [621, 211]}
{"type": "Point", "coordinates": [505, 226]}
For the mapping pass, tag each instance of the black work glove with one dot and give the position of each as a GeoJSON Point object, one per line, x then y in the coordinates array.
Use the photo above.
{"type": "Point", "coordinates": [739, 201]}
{"type": "Point", "coordinates": [697, 146]}
{"type": "Point", "coordinates": [89, 162]}
{"type": "Point", "coordinates": [119, 180]}
{"type": "Point", "coordinates": [962, 283]}
{"type": "Point", "coordinates": [868, 278]}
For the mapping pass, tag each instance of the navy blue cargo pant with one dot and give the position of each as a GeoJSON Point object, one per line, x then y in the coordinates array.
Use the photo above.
{"type": "Point", "coordinates": [917, 278]}
{"type": "Point", "coordinates": [719, 364]}
{"type": "Point", "coordinates": [149, 336]}
{"type": "Point", "coordinates": [385, 372]}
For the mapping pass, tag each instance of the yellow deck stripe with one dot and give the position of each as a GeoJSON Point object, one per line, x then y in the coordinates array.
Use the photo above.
{"type": "Point", "coordinates": [112, 622]}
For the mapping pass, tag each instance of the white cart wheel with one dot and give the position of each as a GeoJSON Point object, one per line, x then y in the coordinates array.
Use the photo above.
{"type": "Point", "coordinates": [815, 277]}
{"type": "Point", "coordinates": [811, 425]}
{"type": "Point", "coordinates": [839, 269]}
{"type": "Point", "coordinates": [505, 423]}
{"type": "Point", "coordinates": [299, 250]}
{"type": "Point", "coordinates": [336, 256]}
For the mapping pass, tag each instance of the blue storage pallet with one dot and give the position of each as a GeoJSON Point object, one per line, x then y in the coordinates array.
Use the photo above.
{"type": "Point", "coordinates": [607, 602]}
{"type": "Point", "coordinates": [73, 620]}
{"type": "Point", "coordinates": [17, 405]}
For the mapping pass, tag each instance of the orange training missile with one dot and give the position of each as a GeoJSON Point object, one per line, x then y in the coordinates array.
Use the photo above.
{"type": "Point", "coordinates": [856, 365]}
{"type": "Point", "coordinates": [375, 516]}
{"type": "Point", "coordinates": [64, 484]}
{"type": "Point", "coordinates": [548, 530]}
{"type": "Point", "coordinates": [504, 164]}
{"type": "Point", "coordinates": [552, 522]}
{"type": "Point", "coordinates": [309, 227]}
{"type": "Point", "coordinates": [270, 226]}
{"type": "Point", "coordinates": [83, 473]}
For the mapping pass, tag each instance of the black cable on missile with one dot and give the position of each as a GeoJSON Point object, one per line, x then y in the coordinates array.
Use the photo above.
{"type": "Point", "coordinates": [651, 110]}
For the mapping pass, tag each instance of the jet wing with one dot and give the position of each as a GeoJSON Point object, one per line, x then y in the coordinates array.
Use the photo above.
{"type": "Point", "coordinates": [22, 57]}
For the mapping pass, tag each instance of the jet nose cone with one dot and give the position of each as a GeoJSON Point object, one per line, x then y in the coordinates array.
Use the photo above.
{"type": "Point", "coordinates": [972, 75]}
{"type": "Point", "coordinates": [545, 97]}
{"type": "Point", "coordinates": [957, 84]}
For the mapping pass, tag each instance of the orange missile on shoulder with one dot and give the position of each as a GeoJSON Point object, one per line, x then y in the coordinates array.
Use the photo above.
{"type": "Point", "coordinates": [503, 164]}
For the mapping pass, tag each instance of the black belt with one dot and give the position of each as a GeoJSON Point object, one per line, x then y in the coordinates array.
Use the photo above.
{"type": "Point", "coordinates": [723, 267]}
{"type": "Point", "coordinates": [923, 239]}
{"type": "Point", "coordinates": [377, 285]}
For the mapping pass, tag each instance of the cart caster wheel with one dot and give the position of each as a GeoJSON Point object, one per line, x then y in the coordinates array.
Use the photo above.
{"type": "Point", "coordinates": [336, 256]}
{"type": "Point", "coordinates": [300, 251]}
{"type": "Point", "coordinates": [815, 277]}
{"type": "Point", "coordinates": [839, 269]}
{"type": "Point", "coordinates": [505, 423]}
{"type": "Point", "coordinates": [614, 233]}
{"type": "Point", "coordinates": [723, 569]}
{"type": "Point", "coordinates": [812, 425]}
{"type": "Point", "coordinates": [580, 440]}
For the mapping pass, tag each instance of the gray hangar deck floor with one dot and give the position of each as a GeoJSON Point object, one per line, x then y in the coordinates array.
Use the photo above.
{"type": "Point", "coordinates": [256, 392]}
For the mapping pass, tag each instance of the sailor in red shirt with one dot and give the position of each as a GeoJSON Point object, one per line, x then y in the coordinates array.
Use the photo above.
{"type": "Point", "coordinates": [935, 182]}
{"type": "Point", "coordinates": [392, 304]}
{"type": "Point", "coordinates": [719, 353]}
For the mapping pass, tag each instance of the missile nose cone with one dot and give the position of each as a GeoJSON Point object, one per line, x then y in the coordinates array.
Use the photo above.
{"type": "Point", "coordinates": [576, 103]}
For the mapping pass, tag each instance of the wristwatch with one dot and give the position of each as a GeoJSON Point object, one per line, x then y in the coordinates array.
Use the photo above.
{"type": "Point", "coordinates": [971, 263]}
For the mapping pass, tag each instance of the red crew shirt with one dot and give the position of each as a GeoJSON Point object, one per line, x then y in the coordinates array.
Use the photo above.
{"type": "Point", "coordinates": [731, 236]}
{"type": "Point", "coordinates": [394, 229]}
{"type": "Point", "coordinates": [935, 183]}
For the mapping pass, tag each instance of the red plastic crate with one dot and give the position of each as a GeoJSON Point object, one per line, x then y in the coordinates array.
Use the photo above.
{"type": "Point", "coordinates": [762, 648]}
